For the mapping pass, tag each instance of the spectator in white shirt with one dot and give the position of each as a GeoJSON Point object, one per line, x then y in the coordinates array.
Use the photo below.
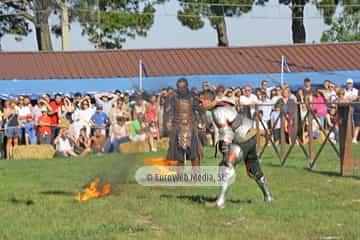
{"type": "Point", "coordinates": [351, 93]}
{"type": "Point", "coordinates": [248, 99]}
{"type": "Point", "coordinates": [265, 105]}
{"type": "Point", "coordinates": [65, 143]}
{"type": "Point", "coordinates": [332, 94]}
{"type": "Point", "coordinates": [265, 88]}
{"type": "Point", "coordinates": [107, 100]}
{"type": "Point", "coordinates": [82, 117]}
{"type": "Point", "coordinates": [140, 107]}
{"type": "Point", "coordinates": [23, 108]}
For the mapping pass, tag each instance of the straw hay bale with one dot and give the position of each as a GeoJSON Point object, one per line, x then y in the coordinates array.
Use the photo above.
{"type": "Point", "coordinates": [44, 151]}
{"type": "Point", "coordinates": [162, 144]}
{"type": "Point", "coordinates": [134, 147]}
{"type": "Point", "coordinates": [141, 147]}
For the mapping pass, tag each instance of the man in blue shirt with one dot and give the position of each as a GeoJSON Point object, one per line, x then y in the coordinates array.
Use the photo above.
{"type": "Point", "coordinates": [100, 119]}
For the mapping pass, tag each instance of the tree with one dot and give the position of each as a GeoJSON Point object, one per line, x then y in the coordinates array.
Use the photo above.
{"type": "Point", "coordinates": [37, 12]}
{"type": "Point", "coordinates": [12, 24]}
{"type": "Point", "coordinates": [327, 8]}
{"type": "Point", "coordinates": [193, 14]}
{"type": "Point", "coordinates": [108, 24]}
{"type": "Point", "coordinates": [297, 24]}
{"type": "Point", "coordinates": [345, 28]}
{"type": "Point", "coordinates": [297, 19]}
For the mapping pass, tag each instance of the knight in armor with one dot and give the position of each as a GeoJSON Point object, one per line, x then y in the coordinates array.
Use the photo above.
{"type": "Point", "coordinates": [237, 142]}
{"type": "Point", "coordinates": [184, 117]}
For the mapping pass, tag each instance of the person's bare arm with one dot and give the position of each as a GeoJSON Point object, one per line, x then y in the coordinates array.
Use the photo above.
{"type": "Point", "coordinates": [127, 130]}
{"type": "Point", "coordinates": [114, 98]}
{"type": "Point", "coordinates": [87, 143]}
{"type": "Point", "coordinates": [98, 98]}
{"type": "Point", "coordinates": [56, 141]}
{"type": "Point", "coordinates": [328, 120]}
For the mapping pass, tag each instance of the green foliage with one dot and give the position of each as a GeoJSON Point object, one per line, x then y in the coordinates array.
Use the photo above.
{"type": "Point", "coordinates": [113, 22]}
{"type": "Point", "coordinates": [345, 28]}
{"type": "Point", "coordinates": [35, 11]}
{"type": "Point", "coordinates": [193, 13]}
{"type": "Point", "coordinates": [12, 24]}
{"type": "Point", "coordinates": [327, 8]}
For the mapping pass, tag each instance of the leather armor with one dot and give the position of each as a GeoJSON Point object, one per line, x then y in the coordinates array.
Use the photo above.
{"type": "Point", "coordinates": [184, 117]}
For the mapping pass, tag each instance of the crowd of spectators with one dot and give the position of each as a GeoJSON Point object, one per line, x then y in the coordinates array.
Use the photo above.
{"type": "Point", "coordinates": [79, 125]}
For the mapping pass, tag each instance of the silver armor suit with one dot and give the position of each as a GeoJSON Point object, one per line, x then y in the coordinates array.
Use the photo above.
{"type": "Point", "coordinates": [237, 142]}
{"type": "Point", "coordinates": [233, 126]}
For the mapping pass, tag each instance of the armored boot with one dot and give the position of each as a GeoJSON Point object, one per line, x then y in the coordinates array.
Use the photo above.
{"type": "Point", "coordinates": [226, 174]}
{"type": "Point", "coordinates": [264, 189]}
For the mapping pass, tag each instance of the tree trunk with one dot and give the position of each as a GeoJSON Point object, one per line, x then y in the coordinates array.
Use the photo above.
{"type": "Point", "coordinates": [221, 31]}
{"type": "Point", "coordinates": [298, 28]}
{"type": "Point", "coordinates": [42, 29]}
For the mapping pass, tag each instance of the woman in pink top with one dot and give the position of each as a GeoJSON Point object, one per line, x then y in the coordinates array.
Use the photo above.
{"type": "Point", "coordinates": [319, 106]}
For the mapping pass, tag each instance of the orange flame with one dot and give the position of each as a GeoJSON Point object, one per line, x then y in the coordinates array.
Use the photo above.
{"type": "Point", "coordinates": [162, 164]}
{"type": "Point", "coordinates": [92, 192]}
{"type": "Point", "coordinates": [160, 161]}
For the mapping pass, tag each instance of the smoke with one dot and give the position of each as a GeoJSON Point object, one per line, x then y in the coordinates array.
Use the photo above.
{"type": "Point", "coordinates": [118, 172]}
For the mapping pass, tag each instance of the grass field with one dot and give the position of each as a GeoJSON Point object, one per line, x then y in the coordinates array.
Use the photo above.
{"type": "Point", "coordinates": [37, 202]}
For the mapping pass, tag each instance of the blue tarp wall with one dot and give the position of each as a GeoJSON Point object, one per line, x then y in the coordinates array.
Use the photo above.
{"type": "Point", "coordinates": [152, 84]}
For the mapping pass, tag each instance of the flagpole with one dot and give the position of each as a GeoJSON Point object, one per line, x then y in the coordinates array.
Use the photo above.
{"type": "Point", "coordinates": [282, 71]}
{"type": "Point", "coordinates": [140, 75]}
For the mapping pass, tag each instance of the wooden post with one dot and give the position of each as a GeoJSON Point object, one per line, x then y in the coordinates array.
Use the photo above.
{"type": "Point", "coordinates": [282, 134]}
{"type": "Point", "coordinates": [345, 136]}
{"type": "Point", "coordinates": [257, 128]}
{"type": "Point", "coordinates": [311, 137]}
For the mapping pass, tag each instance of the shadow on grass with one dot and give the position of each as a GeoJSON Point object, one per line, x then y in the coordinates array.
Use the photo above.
{"type": "Point", "coordinates": [57, 193]}
{"type": "Point", "coordinates": [202, 199]}
{"type": "Point", "coordinates": [331, 174]}
{"type": "Point", "coordinates": [26, 202]}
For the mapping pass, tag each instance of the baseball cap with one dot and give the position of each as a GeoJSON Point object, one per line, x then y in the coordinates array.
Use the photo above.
{"type": "Point", "coordinates": [44, 109]}
{"type": "Point", "coordinates": [349, 80]}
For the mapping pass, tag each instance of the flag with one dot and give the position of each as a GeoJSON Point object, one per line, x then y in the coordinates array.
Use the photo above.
{"type": "Point", "coordinates": [144, 69]}
{"type": "Point", "coordinates": [286, 65]}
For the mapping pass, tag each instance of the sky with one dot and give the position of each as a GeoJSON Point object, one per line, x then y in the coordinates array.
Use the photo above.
{"type": "Point", "coordinates": [269, 25]}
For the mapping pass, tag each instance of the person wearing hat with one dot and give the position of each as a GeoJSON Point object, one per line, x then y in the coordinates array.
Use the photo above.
{"type": "Point", "coordinates": [351, 93]}
{"type": "Point", "coordinates": [44, 129]}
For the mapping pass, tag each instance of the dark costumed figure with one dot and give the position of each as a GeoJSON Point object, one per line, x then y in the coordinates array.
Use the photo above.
{"type": "Point", "coordinates": [237, 142]}
{"type": "Point", "coordinates": [184, 117]}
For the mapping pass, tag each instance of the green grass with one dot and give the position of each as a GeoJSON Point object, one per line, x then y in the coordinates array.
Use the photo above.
{"type": "Point", "coordinates": [36, 202]}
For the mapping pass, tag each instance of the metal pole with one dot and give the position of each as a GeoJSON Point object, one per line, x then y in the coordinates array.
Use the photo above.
{"type": "Point", "coordinates": [140, 75]}
{"type": "Point", "coordinates": [282, 71]}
